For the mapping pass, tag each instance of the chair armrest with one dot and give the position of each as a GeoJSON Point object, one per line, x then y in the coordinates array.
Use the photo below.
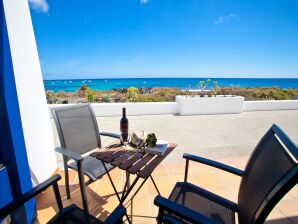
{"type": "Point", "coordinates": [213, 163]}
{"type": "Point", "coordinates": [180, 211]}
{"type": "Point", "coordinates": [116, 216]}
{"type": "Point", "coordinates": [70, 154]}
{"type": "Point", "coordinates": [109, 134]}
{"type": "Point", "coordinates": [22, 199]}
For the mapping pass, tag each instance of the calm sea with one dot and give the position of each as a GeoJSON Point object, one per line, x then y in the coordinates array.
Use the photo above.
{"type": "Point", "coordinates": [181, 83]}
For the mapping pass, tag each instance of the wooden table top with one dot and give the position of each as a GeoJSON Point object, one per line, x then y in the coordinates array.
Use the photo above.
{"type": "Point", "coordinates": [141, 164]}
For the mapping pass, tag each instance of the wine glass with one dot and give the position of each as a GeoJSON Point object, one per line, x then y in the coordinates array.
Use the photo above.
{"type": "Point", "coordinates": [124, 140]}
{"type": "Point", "coordinates": [140, 141]}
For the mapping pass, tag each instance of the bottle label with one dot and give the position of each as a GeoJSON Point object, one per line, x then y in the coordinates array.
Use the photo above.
{"type": "Point", "coordinates": [124, 127]}
{"type": "Point", "coordinates": [124, 132]}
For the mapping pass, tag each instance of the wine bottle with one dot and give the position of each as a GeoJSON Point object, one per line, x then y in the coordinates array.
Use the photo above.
{"type": "Point", "coordinates": [124, 126]}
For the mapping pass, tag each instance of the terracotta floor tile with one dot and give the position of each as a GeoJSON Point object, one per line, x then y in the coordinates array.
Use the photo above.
{"type": "Point", "coordinates": [207, 180]}
{"type": "Point", "coordinates": [175, 168]}
{"type": "Point", "coordinates": [105, 187]}
{"type": "Point", "coordinates": [164, 184]}
{"type": "Point", "coordinates": [143, 192]}
{"type": "Point", "coordinates": [294, 192]}
{"type": "Point", "coordinates": [229, 179]}
{"type": "Point", "coordinates": [94, 185]}
{"type": "Point", "coordinates": [238, 162]}
{"type": "Point", "coordinates": [233, 192]}
{"type": "Point", "coordinates": [46, 197]}
{"type": "Point", "coordinates": [160, 171]}
{"type": "Point", "coordinates": [116, 174]}
{"type": "Point", "coordinates": [102, 210]}
{"type": "Point", "coordinates": [275, 214]}
{"type": "Point", "coordinates": [146, 221]}
{"type": "Point", "coordinates": [288, 207]}
{"type": "Point", "coordinates": [178, 178]}
{"type": "Point", "coordinates": [71, 173]}
{"type": "Point", "coordinates": [72, 188]}
{"type": "Point", "coordinates": [281, 220]}
{"type": "Point", "coordinates": [45, 214]}
{"type": "Point", "coordinates": [141, 208]}
{"type": "Point", "coordinates": [102, 199]}
{"type": "Point", "coordinates": [195, 168]}
{"type": "Point", "coordinates": [92, 195]}
{"type": "Point", "coordinates": [76, 198]}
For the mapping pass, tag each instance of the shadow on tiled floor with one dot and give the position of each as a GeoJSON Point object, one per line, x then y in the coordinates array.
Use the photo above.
{"type": "Point", "coordinates": [102, 199]}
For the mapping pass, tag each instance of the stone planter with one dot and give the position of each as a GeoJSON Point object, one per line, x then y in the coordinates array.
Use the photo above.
{"type": "Point", "coordinates": [209, 105]}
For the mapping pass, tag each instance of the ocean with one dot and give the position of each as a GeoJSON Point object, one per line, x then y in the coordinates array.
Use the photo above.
{"type": "Point", "coordinates": [72, 85]}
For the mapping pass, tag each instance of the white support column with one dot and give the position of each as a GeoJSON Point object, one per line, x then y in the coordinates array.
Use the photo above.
{"type": "Point", "coordinates": [30, 90]}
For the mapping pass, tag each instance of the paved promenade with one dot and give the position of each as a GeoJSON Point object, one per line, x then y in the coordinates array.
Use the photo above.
{"type": "Point", "coordinates": [212, 136]}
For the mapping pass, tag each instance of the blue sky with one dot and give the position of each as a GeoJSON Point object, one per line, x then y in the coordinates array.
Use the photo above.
{"type": "Point", "coordinates": [166, 38]}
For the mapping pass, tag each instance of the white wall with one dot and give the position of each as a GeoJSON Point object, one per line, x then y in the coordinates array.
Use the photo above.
{"type": "Point", "coordinates": [208, 106]}
{"type": "Point", "coordinates": [270, 105]}
{"type": "Point", "coordinates": [115, 109]}
{"type": "Point", "coordinates": [30, 90]}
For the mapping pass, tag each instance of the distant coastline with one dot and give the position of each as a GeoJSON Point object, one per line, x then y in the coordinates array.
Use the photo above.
{"type": "Point", "coordinates": [132, 94]}
{"type": "Point", "coordinates": [71, 85]}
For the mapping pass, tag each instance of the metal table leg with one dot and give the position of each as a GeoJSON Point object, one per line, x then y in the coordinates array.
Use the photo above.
{"type": "Point", "coordinates": [154, 184]}
{"type": "Point", "coordinates": [139, 188]}
{"type": "Point", "coordinates": [107, 171]}
{"type": "Point", "coordinates": [126, 185]}
{"type": "Point", "coordinates": [127, 189]}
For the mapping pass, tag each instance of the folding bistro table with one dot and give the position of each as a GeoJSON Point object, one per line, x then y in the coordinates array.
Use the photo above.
{"type": "Point", "coordinates": [141, 164]}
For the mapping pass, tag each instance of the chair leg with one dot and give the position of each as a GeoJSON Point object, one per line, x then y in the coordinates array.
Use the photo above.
{"type": "Point", "coordinates": [82, 185]}
{"type": "Point", "coordinates": [186, 170]}
{"type": "Point", "coordinates": [159, 216]}
{"type": "Point", "coordinates": [66, 177]}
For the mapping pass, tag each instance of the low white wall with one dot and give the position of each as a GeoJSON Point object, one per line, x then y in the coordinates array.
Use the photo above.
{"type": "Point", "coordinates": [270, 105]}
{"type": "Point", "coordinates": [221, 105]}
{"type": "Point", "coordinates": [209, 105]}
{"type": "Point", "coordinates": [115, 109]}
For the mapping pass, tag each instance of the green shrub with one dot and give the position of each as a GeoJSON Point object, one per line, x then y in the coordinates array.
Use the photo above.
{"type": "Point", "coordinates": [132, 93]}
{"type": "Point", "coordinates": [50, 95]}
{"type": "Point", "coordinates": [83, 91]}
{"type": "Point", "coordinates": [216, 88]}
{"type": "Point", "coordinates": [61, 94]}
{"type": "Point", "coordinates": [166, 94]}
{"type": "Point", "coordinates": [280, 96]}
{"type": "Point", "coordinates": [90, 97]}
{"type": "Point", "coordinates": [148, 98]}
{"type": "Point", "coordinates": [106, 99]}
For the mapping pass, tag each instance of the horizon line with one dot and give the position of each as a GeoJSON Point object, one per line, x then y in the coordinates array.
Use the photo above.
{"type": "Point", "coordinates": [172, 78]}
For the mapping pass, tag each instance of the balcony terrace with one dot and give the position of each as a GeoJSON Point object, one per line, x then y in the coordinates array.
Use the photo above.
{"type": "Point", "coordinates": [27, 143]}
{"type": "Point", "coordinates": [225, 138]}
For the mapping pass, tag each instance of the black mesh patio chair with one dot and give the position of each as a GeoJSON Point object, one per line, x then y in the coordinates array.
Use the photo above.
{"type": "Point", "coordinates": [79, 134]}
{"type": "Point", "coordinates": [71, 214]}
{"type": "Point", "coordinates": [270, 173]}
